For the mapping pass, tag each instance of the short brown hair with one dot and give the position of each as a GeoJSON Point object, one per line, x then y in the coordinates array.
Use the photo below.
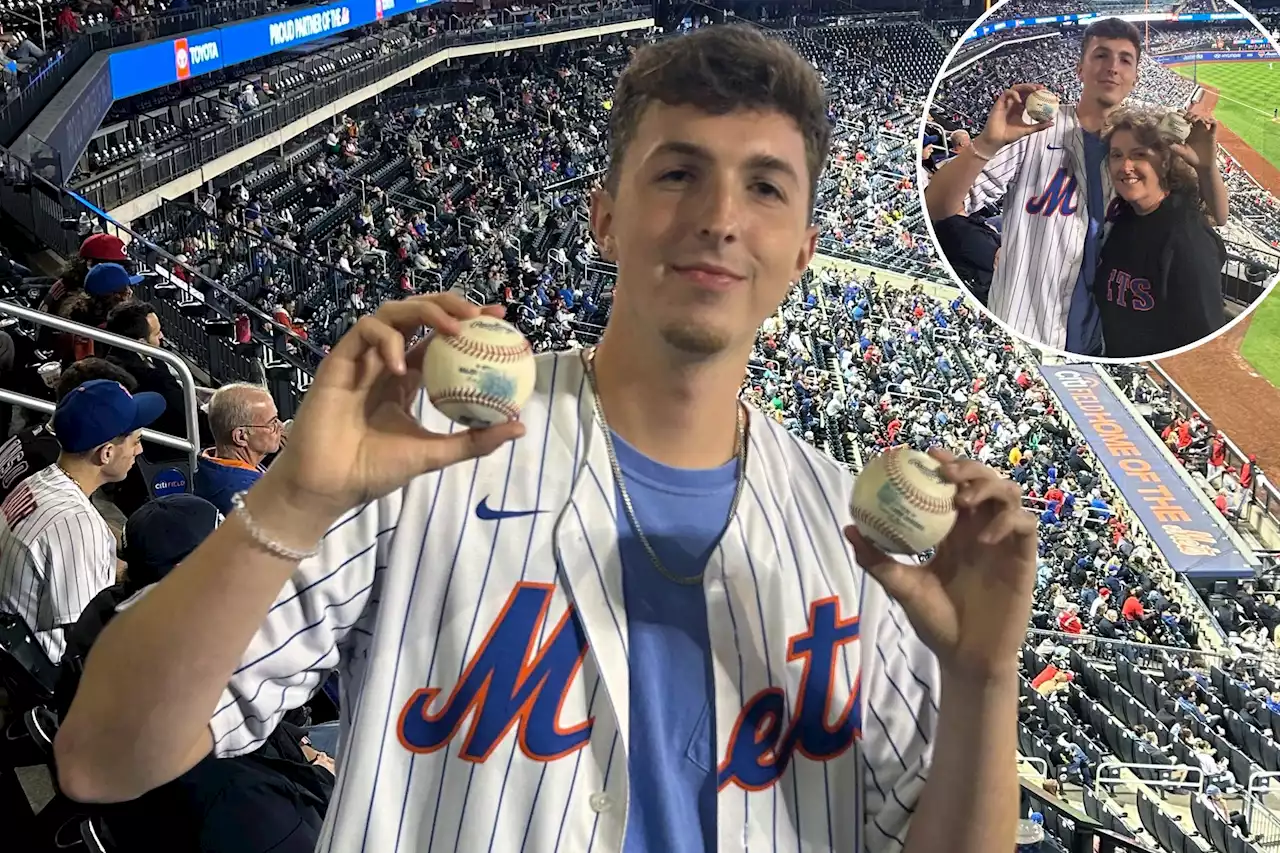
{"type": "Point", "coordinates": [89, 368]}
{"type": "Point", "coordinates": [721, 69]}
{"type": "Point", "coordinates": [1112, 28]}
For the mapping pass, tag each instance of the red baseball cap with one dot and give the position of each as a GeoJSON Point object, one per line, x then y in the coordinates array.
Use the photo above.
{"type": "Point", "coordinates": [103, 247]}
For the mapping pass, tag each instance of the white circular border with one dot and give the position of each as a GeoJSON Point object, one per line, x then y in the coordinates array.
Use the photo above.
{"type": "Point", "coordinates": [1074, 358]}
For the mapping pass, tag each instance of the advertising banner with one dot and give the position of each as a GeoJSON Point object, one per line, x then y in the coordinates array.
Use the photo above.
{"type": "Point", "coordinates": [1086, 18]}
{"type": "Point", "coordinates": [1217, 56]}
{"type": "Point", "coordinates": [1189, 535]}
{"type": "Point", "coordinates": [155, 64]}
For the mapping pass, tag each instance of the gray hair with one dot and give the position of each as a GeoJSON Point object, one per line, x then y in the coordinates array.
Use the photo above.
{"type": "Point", "coordinates": [232, 406]}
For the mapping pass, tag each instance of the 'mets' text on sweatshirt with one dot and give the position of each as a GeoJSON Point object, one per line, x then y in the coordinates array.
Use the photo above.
{"type": "Point", "coordinates": [1159, 281]}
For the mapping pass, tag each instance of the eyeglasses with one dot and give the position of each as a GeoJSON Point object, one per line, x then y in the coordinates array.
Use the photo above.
{"type": "Point", "coordinates": [274, 423]}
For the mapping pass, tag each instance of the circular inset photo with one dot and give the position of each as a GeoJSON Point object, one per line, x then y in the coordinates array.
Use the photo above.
{"type": "Point", "coordinates": [1106, 184]}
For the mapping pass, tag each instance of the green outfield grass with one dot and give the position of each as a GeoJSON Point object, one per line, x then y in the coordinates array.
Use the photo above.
{"type": "Point", "coordinates": [1249, 94]}
{"type": "Point", "coordinates": [1261, 345]}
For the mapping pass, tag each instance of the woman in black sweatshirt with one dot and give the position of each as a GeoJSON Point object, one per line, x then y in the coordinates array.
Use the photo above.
{"type": "Point", "coordinates": [1159, 279]}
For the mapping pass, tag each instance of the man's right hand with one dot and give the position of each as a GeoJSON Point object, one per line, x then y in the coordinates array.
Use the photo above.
{"type": "Point", "coordinates": [1006, 123]}
{"type": "Point", "coordinates": [355, 438]}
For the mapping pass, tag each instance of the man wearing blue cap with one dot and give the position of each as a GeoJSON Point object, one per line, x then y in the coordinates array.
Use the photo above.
{"type": "Point", "coordinates": [105, 287]}
{"type": "Point", "coordinates": [56, 551]}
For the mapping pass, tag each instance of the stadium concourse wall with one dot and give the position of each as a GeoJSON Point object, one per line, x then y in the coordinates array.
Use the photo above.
{"type": "Point", "coordinates": [131, 210]}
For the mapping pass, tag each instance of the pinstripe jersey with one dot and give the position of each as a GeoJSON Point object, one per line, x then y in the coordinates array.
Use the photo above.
{"type": "Point", "coordinates": [484, 656]}
{"type": "Point", "coordinates": [1040, 180]}
{"type": "Point", "coordinates": [56, 554]}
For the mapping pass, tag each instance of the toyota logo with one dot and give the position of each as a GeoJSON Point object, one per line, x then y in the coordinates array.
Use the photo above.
{"type": "Point", "coordinates": [182, 57]}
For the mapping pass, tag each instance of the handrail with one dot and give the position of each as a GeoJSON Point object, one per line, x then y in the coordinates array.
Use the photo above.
{"type": "Point", "coordinates": [1037, 762]}
{"type": "Point", "coordinates": [1099, 781]}
{"type": "Point", "coordinates": [105, 221]}
{"type": "Point", "coordinates": [191, 444]}
{"type": "Point", "coordinates": [47, 408]}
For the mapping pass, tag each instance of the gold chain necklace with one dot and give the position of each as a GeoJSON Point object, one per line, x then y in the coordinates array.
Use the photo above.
{"type": "Point", "coordinates": [739, 452]}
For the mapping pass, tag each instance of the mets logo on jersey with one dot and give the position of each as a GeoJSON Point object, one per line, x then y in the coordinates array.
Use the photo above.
{"type": "Point", "coordinates": [1058, 198]}
{"type": "Point", "coordinates": [513, 682]}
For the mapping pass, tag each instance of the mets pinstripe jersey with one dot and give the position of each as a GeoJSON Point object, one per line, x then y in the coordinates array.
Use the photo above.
{"type": "Point", "coordinates": [1041, 181]}
{"type": "Point", "coordinates": [484, 656]}
{"type": "Point", "coordinates": [56, 554]}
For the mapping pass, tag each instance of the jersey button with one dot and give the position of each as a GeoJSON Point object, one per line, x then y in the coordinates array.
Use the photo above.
{"type": "Point", "coordinates": [600, 802]}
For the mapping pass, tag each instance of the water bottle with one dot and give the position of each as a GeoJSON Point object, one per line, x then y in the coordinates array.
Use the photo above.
{"type": "Point", "coordinates": [1028, 837]}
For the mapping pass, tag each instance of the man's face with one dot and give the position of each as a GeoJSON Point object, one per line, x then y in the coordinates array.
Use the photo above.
{"type": "Point", "coordinates": [118, 459]}
{"type": "Point", "coordinates": [709, 225]}
{"type": "Point", "coordinates": [154, 335]}
{"type": "Point", "coordinates": [1108, 70]}
{"type": "Point", "coordinates": [262, 433]}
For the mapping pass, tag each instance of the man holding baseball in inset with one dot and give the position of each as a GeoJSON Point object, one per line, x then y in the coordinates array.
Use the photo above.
{"type": "Point", "coordinates": [1050, 176]}
{"type": "Point", "coordinates": [639, 618]}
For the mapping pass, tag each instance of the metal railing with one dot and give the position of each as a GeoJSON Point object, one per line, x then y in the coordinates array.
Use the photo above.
{"type": "Point", "coordinates": [1088, 836]}
{"type": "Point", "coordinates": [1102, 778]}
{"type": "Point", "coordinates": [191, 444]}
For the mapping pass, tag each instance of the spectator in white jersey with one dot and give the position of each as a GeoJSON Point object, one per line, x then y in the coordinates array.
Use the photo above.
{"type": "Point", "coordinates": [1055, 190]}
{"type": "Point", "coordinates": [56, 551]}
{"type": "Point", "coordinates": [37, 447]}
{"type": "Point", "coordinates": [1159, 280]}
{"type": "Point", "coordinates": [718, 140]}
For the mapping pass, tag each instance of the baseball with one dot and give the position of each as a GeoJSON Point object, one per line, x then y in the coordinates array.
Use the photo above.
{"type": "Point", "coordinates": [482, 375]}
{"type": "Point", "coordinates": [901, 503]}
{"type": "Point", "coordinates": [1042, 105]}
{"type": "Point", "coordinates": [1174, 126]}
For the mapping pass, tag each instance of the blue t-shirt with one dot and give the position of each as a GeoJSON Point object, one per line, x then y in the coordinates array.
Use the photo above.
{"type": "Point", "coordinates": [672, 741]}
{"type": "Point", "coordinates": [1084, 321]}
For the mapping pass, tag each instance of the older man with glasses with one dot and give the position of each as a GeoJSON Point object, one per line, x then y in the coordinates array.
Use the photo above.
{"type": "Point", "coordinates": [246, 430]}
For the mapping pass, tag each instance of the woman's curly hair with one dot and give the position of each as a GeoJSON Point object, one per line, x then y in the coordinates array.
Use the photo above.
{"type": "Point", "coordinates": [1176, 174]}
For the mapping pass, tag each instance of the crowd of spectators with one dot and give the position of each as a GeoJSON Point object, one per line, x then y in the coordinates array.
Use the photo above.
{"type": "Point", "coordinates": [1175, 41]}
{"type": "Point", "coordinates": [488, 194]}
{"type": "Point", "coordinates": [966, 97]}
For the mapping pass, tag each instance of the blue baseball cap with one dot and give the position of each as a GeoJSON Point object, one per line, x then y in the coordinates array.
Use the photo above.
{"type": "Point", "coordinates": [109, 278]}
{"type": "Point", "coordinates": [101, 410]}
{"type": "Point", "coordinates": [163, 532]}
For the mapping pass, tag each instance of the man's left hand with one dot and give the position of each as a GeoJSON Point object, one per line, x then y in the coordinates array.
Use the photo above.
{"type": "Point", "coordinates": [971, 603]}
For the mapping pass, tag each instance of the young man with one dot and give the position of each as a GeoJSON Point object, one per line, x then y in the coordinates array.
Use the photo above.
{"type": "Point", "coordinates": [56, 551]}
{"type": "Point", "coordinates": [37, 447]}
{"type": "Point", "coordinates": [636, 628]}
{"type": "Point", "coordinates": [1055, 192]}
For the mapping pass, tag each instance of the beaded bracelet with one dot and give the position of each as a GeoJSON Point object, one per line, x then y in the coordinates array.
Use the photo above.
{"type": "Point", "coordinates": [262, 539]}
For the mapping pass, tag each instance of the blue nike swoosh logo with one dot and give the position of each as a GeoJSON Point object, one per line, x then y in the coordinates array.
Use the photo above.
{"type": "Point", "coordinates": [1054, 147]}
{"type": "Point", "coordinates": [486, 513]}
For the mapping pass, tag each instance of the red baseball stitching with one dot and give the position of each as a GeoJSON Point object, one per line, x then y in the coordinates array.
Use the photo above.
{"type": "Point", "coordinates": [928, 503]}
{"type": "Point", "coordinates": [488, 352]}
{"type": "Point", "coordinates": [466, 395]}
{"type": "Point", "coordinates": [863, 520]}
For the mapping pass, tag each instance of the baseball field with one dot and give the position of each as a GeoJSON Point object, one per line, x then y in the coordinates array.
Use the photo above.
{"type": "Point", "coordinates": [1248, 96]}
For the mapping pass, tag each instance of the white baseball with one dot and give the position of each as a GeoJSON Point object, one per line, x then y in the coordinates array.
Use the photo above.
{"type": "Point", "coordinates": [1174, 126]}
{"type": "Point", "coordinates": [901, 504]}
{"type": "Point", "coordinates": [1042, 105]}
{"type": "Point", "coordinates": [481, 376]}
